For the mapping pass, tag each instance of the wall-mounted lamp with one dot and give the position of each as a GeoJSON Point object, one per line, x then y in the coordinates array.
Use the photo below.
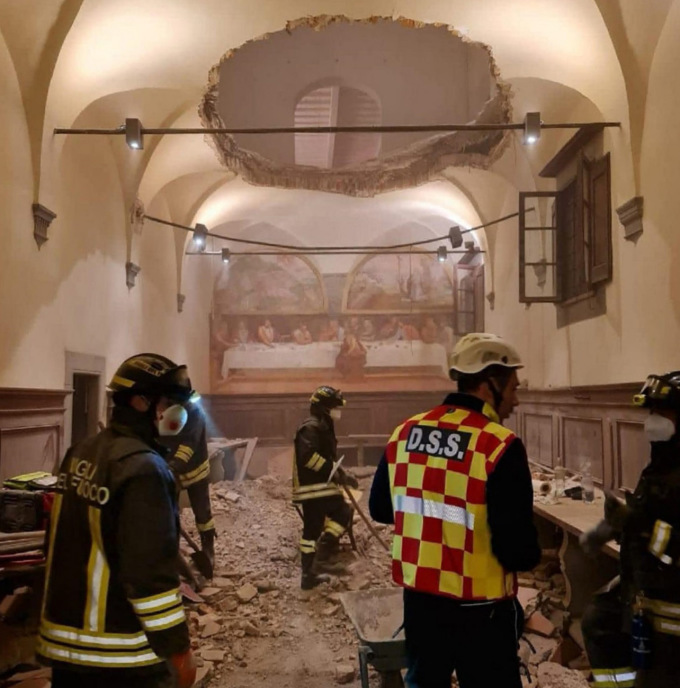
{"type": "Point", "coordinates": [226, 255]}
{"type": "Point", "coordinates": [442, 254]}
{"type": "Point", "coordinates": [133, 133]}
{"type": "Point", "coordinates": [455, 237]}
{"type": "Point", "coordinates": [200, 234]}
{"type": "Point", "coordinates": [532, 127]}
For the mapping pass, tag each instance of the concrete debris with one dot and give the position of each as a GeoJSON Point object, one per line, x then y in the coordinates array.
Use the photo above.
{"type": "Point", "coordinates": [246, 592]}
{"type": "Point", "coordinates": [555, 676]}
{"type": "Point", "coordinates": [232, 497]}
{"type": "Point", "coordinates": [344, 673]}
{"type": "Point", "coordinates": [210, 629]}
{"type": "Point", "coordinates": [213, 655]}
{"type": "Point", "coordinates": [537, 623]}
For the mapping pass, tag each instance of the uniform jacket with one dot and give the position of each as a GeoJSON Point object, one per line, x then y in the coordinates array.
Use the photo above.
{"type": "Point", "coordinates": [112, 589]}
{"type": "Point", "coordinates": [188, 456]}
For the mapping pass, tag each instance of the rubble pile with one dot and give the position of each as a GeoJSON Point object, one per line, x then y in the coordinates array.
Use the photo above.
{"type": "Point", "coordinates": [255, 621]}
{"type": "Point", "coordinates": [551, 648]}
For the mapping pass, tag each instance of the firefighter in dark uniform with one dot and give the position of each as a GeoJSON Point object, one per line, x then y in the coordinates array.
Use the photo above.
{"type": "Point", "coordinates": [112, 613]}
{"type": "Point", "coordinates": [189, 461]}
{"type": "Point", "coordinates": [632, 631]}
{"type": "Point", "coordinates": [457, 487]}
{"type": "Point", "coordinates": [316, 484]}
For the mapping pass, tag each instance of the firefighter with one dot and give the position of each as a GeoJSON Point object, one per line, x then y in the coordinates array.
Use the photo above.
{"type": "Point", "coordinates": [632, 630]}
{"type": "Point", "coordinates": [457, 487]}
{"type": "Point", "coordinates": [188, 460]}
{"type": "Point", "coordinates": [316, 484]}
{"type": "Point", "coordinates": [112, 613]}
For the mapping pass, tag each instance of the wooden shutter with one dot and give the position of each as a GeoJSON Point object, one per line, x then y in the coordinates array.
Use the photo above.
{"type": "Point", "coordinates": [539, 280]}
{"type": "Point", "coordinates": [600, 216]}
{"type": "Point", "coordinates": [479, 298]}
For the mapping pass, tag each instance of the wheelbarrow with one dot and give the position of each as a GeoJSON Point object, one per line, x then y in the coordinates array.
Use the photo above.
{"type": "Point", "coordinates": [377, 617]}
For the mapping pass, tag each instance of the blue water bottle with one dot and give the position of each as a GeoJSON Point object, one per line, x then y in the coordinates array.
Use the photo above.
{"type": "Point", "coordinates": [641, 636]}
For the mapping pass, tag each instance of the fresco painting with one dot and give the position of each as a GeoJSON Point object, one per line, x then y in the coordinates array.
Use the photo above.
{"type": "Point", "coordinates": [278, 325]}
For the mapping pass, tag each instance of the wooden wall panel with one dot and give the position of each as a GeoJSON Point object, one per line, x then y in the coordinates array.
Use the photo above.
{"type": "Point", "coordinates": [632, 451]}
{"type": "Point", "coordinates": [582, 440]}
{"type": "Point", "coordinates": [31, 430]}
{"type": "Point", "coordinates": [538, 437]}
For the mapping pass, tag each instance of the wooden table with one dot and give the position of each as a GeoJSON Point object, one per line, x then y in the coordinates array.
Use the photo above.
{"type": "Point", "coordinates": [583, 574]}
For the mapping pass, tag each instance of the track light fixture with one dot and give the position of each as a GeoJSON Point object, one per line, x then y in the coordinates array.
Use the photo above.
{"type": "Point", "coordinates": [455, 237]}
{"type": "Point", "coordinates": [442, 254]}
{"type": "Point", "coordinates": [133, 133]}
{"type": "Point", "coordinates": [532, 127]}
{"type": "Point", "coordinates": [200, 234]}
{"type": "Point", "coordinates": [226, 254]}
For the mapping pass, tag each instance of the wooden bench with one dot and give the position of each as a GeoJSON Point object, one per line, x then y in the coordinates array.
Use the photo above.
{"type": "Point", "coordinates": [583, 574]}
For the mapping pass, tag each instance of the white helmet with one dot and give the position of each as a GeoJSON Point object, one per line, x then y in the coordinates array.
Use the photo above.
{"type": "Point", "coordinates": [478, 351]}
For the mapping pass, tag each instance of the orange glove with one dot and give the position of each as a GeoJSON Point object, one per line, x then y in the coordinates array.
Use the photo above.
{"type": "Point", "coordinates": [183, 667]}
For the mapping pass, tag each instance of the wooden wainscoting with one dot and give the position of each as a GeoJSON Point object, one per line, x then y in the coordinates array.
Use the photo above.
{"type": "Point", "coordinates": [31, 430]}
{"type": "Point", "coordinates": [598, 424]}
{"type": "Point", "coordinates": [585, 423]}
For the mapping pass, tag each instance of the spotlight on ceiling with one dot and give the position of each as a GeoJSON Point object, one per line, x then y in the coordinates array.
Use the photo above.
{"type": "Point", "coordinates": [532, 127]}
{"type": "Point", "coordinates": [133, 133]}
{"type": "Point", "coordinates": [226, 254]}
{"type": "Point", "coordinates": [442, 254]}
{"type": "Point", "coordinates": [200, 234]}
{"type": "Point", "coordinates": [455, 237]}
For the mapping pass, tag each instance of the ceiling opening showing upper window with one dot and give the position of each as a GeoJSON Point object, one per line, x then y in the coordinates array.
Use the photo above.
{"type": "Point", "coordinates": [326, 71]}
{"type": "Point", "coordinates": [341, 106]}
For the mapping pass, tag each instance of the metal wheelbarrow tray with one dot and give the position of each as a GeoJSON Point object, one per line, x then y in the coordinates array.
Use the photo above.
{"type": "Point", "coordinates": [377, 616]}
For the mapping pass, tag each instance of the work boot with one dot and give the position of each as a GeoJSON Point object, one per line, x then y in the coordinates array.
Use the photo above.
{"type": "Point", "coordinates": [327, 548]}
{"type": "Point", "coordinates": [310, 579]}
{"type": "Point", "coordinates": [208, 547]}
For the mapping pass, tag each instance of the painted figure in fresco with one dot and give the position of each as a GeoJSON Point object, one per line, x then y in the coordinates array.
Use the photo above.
{"type": "Point", "coordinates": [429, 331]}
{"type": "Point", "coordinates": [367, 331]}
{"type": "Point", "coordinates": [302, 335]}
{"type": "Point", "coordinates": [331, 332]}
{"type": "Point", "coordinates": [242, 335]}
{"type": "Point", "coordinates": [219, 344]}
{"type": "Point", "coordinates": [391, 330]}
{"type": "Point", "coordinates": [447, 336]}
{"type": "Point", "coordinates": [409, 332]}
{"type": "Point", "coordinates": [265, 333]}
{"type": "Point", "coordinates": [351, 360]}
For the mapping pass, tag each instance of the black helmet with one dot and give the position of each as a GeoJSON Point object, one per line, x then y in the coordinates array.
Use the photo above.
{"type": "Point", "coordinates": [152, 375]}
{"type": "Point", "coordinates": [660, 391]}
{"type": "Point", "coordinates": [327, 398]}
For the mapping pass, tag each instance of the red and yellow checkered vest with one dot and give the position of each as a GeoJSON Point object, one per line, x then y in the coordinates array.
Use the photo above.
{"type": "Point", "coordinates": [439, 463]}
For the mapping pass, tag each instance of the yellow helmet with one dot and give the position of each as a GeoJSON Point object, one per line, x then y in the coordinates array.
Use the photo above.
{"type": "Point", "coordinates": [478, 351]}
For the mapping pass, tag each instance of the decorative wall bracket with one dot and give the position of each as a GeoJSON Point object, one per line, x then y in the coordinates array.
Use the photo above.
{"type": "Point", "coordinates": [42, 219]}
{"type": "Point", "coordinates": [131, 272]}
{"type": "Point", "coordinates": [180, 302]}
{"type": "Point", "coordinates": [491, 298]}
{"type": "Point", "coordinates": [630, 216]}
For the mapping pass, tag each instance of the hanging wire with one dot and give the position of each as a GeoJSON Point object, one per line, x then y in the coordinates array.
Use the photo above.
{"type": "Point", "coordinates": [328, 250]}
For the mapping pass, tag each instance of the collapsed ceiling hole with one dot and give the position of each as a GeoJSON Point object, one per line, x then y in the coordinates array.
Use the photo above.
{"type": "Point", "coordinates": [328, 71]}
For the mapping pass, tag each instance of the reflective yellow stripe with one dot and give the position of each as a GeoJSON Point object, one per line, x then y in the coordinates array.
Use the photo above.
{"type": "Point", "coordinates": [659, 540]}
{"type": "Point", "coordinates": [184, 453]}
{"type": "Point", "coordinates": [668, 626]}
{"type": "Point", "coordinates": [316, 462]}
{"type": "Point", "coordinates": [307, 546]}
{"type": "Point", "coordinates": [74, 636]}
{"type": "Point", "coordinates": [333, 528]}
{"type": "Point", "coordinates": [662, 608]}
{"type": "Point", "coordinates": [54, 519]}
{"type": "Point", "coordinates": [205, 527]}
{"type": "Point", "coordinates": [315, 491]}
{"type": "Point", "coordinates": [204, 466]}
{"type": "Point", "coordinates": [614, 678]}
{"type": "Point", "coordinates": [123, 381]}
{"type": "Point", "coordinates": [98, 574]}
{"type": "Point", "coordinates": [159, 622]}
{"type": "Point", "coordinates": [92, 658]}
{"type": "Point", "coordinates": [156, 603]}
{"type": "Point", "coordinates": [186, 482]}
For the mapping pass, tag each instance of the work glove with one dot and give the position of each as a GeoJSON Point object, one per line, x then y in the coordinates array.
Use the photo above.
{"type": "Point", "coordinates": [592, 540]}
{"type": "Point", "coordinates": [615, 512]}
{"type": "Point", "coordinates": [183, 669]}
{"type": "Point", "coordinates": [345, 478]}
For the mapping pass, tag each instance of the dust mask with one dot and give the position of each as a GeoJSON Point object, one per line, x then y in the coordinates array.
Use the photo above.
{"type": "Point", "coordinates": [659, 428]}
{"type": "Point", "coordinates": [336, 414]}
{"type": "Point", "coordinates": [172, 420]}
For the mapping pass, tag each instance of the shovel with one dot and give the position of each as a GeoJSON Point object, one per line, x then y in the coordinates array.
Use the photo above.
{"type": "Point", "coordinates": [199, 557]}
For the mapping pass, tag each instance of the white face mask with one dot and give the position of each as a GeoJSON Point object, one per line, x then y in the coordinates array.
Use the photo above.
{"type": "Point", "coordinates": [336, 414]}
{"type": "Point", "coordinates": [172, 420]}
{"type": "Point", "coordinates": [659, 428]}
